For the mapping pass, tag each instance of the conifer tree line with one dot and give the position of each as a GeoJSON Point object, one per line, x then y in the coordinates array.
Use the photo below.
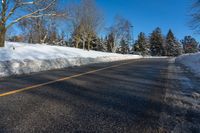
{"type": "Point", "coordinates": [159, 45]}
{"type": "Point", "coordinates": [81, 25]}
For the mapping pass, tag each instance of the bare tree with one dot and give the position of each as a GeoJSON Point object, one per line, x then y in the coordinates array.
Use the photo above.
{"type": "Point", "coordinates": [195, 14]}
{"type": "Point", "coordinates": [34, 29]}
{"type": "Point", "coordinates": [10, 15]}
{"type": "Point", "coordinates": [121, 30]}
{"type": "Point", "coordinates": [40, 30]}
{"type": "Point", "coordinates": [86, 21]}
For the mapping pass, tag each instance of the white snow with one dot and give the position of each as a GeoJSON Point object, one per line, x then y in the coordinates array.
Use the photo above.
{"type": "Point", "coordinates": [191, 61]}
{"type": "Point", "coordinates": [23, 58]}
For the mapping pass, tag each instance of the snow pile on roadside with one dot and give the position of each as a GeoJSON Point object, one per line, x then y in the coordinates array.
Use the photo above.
{"type": "Point", "coordinates": [155, 57]}
{"type": "Point", "coordinates": [22, 58]}
{"type": "Point", "coordinates": [191, 61]}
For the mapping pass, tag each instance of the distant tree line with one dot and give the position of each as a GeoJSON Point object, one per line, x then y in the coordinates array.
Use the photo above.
{"type": "Point", "coordinates": [85, 23]}
{"type": "Point", "coordinates": [158, 45]}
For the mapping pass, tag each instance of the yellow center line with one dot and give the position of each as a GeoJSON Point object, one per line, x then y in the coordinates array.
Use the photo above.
{"type": "Point", "coordinates": [59, 80]}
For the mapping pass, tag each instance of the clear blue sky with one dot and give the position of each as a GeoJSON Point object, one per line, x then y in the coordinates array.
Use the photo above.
{"type": "Point", "coordinates": [146, 15]}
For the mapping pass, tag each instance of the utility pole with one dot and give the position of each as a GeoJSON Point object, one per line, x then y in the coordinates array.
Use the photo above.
{"type": "Point", "coordinates": [132, 37]}
{"type": "Point", "coordinates": [132, 28]}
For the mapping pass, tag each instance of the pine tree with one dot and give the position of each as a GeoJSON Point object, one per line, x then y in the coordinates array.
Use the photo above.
{"type": "Point", "coordinates": [173, 47]}
{"type": "Point", "coordinates": [110, 43]}
{"type": "Point", "coordinates": [101, 44]}
{"type": "Point", "coordinates": [156, 42]}
{"type": "Point", "coordinates": [98, 44]}
{"type": "Point", "coordinates": [190, 45]}
{"type": "Point", "coordinates": [199, 48]}
{"type": "Point", "coordinates": [124, 48]}
{"type": "Point", "coordinates": [141, 44]}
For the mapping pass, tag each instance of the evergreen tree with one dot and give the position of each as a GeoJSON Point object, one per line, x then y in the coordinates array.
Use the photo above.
{"type": "Point", "coordinates": [141, 44]}
{"type": "Point", "coordinates": [124, 48]}
{"type": "Point", "coordinates": [110, 42]}
{"type": "Point", "coordinates": [156, 42]}
{"type": "Point", "coordinates": [190, 45]}
{"type": "Point", "coordinates": [173, 47]}
{"type": "Point", "coordinates": [99, 44]}
{"type": "Point", "coordinates": [199, 48]}
{"type": "Point", "coordinates": [102, 44]}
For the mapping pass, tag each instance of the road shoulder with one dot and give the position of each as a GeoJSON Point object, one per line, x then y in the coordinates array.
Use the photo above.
{"type": "Point", "coordinates": [182, 101]}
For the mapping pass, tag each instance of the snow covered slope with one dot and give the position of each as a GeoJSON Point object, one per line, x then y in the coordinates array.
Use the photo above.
{"type": "Point", "coordinates": [22, 58]}
{"type": "Point", "coordinates": [191, 61]}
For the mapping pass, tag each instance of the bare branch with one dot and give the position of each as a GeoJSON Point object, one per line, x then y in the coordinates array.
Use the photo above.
{"type": "Point", "coordinates": [30, 15]}
{"type": "Point", "coordinates": [18, 5]}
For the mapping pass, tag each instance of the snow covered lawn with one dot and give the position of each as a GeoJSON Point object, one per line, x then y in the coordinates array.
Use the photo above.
{"type": "Point", "coordinates": [191, 61]}
{"type": "Point", "coordinates": [22, 58]}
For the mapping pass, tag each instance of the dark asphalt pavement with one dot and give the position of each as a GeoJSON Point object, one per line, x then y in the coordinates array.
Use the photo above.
{"type": "Point", "coordinates": [128, 98]}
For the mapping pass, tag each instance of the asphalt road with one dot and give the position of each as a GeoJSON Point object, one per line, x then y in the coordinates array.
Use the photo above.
{"type": "Point", "coordinates": [127, 96]}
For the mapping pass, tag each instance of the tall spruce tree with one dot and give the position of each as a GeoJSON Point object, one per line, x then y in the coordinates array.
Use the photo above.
{"type": "Point", "coordinates": [190, 45]}
{"type": "Point", "coordinates": [141, 44]}
{"type": "Point", "coordinates": [156, 42]}
{"type": "Point", "coordinates": [110, 42]}
{"type": "Point", "coordinates": [199, 48]}
{"type": "Point", "coordinates": [173, 47]}
{"type": "Point", "coordinates": [124, 47]}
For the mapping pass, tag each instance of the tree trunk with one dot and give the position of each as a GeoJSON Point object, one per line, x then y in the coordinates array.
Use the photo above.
{"type": "Point", "coordinates": [44, 39]}
{"type": "Point", "coordinates": [113, 48]}
{"type": "Point", "coordinates": [83, 44]}
{"type": "Point", "coordinates": [2, 37]}
{"type": "Point", "coordinates": [77, 44]}
{"type": "Point", "coordinates": [88, 46]}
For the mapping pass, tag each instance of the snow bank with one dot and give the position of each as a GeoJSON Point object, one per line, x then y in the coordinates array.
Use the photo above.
{"type": "Point", "coordinates": [191, 61]}
{"type": "Point", "coordinates": [22, 58]}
